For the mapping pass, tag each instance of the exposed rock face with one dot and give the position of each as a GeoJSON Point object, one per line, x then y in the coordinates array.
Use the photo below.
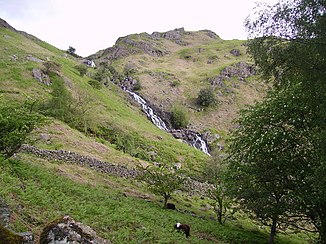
{"type": "Point", "coordinates": [8, 236]}
{"type": "Point", "coordinates": [41, 77]}
{"type": "Point", "coordinates": [33, 59]}
{"type": "Point", "coordinates": [241, 70]}
{"type": "Point", "coordinates": [131, 44]}
{"type": "Point", "coordinates": [67, 230]}
{"type": "Point", "coordinates": [173, 35]}
{"type": "Point", "coordinates": [4, 24]}
{"type": "Point", "coordinates": [235, 52]}
{"type": "Point", "coordinates": [211, 34]}
{"type": "Point", "coordinates": [128, 83]}
{"type": "Point", "coordinates": [141, 43]}
{"type": "Point", "coordinates": [4, 214]}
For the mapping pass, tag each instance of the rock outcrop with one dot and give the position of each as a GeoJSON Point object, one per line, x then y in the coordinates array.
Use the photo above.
{"type": "Point", "coordinates": [65, 230]}
{"type": "Point", "coordinates": [240, 70]}
{"type": "Point", "coordinates": [41, 77]}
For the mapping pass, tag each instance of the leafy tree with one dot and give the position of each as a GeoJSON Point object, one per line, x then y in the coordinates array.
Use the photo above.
{"type": "Point", "coordinates": [179, 117]}
{"type": "Point", "coordinates": [290, 50]}
{"type": "Point", "coordinates": [213, 173]}
{"type": "Point", "coordinates": [206, 97]}
{"type": "Point", "coordinates": [82, 69]}
{"type": "Point", "coordinates": [71, 50]}
{"type": "Point", "coordinates": [269, 160]}
{"type": "Point", "coordinates": [61, 102]}
{"type": "Point", "coordinates": [16, 122]}
{"type": "Point", "coordinates": [162, 181]}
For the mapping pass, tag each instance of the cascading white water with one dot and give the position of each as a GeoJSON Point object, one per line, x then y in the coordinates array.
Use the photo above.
{"type": "Point", "coordinates": [197, 143]}
{"type": "Point", "coordinates": [149, 111]}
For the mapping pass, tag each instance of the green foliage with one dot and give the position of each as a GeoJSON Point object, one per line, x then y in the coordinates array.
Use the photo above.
{"type": "Point", "coordinates": [290, 51]}
{"type": "Point", "coordinates": [162, 181]}
{"type": "Point", "coordinates": [16, 122]}
{"type": "Point", "coordinates": [71, 50]}
{"type": "Point", "coordinates": [44, 192]}
{"type": "Point", "coordinates": [61, 102]}
{"type": "Point", "coordinates": [214, 173]}
{"type": "Point", "coordinates": [129, 69]}
{"type": "Point", "coordinates": [206, 97]}
{"type": "Point", "coordinates": [65, 107]}
{"type": "Point", "coordinates": [95, 84]}
{"type": "Point", "coordinates": [82, 69]}
{"type": "Point", "coordinates": [50, 66]}
{"type": "Point", "coordinates": [137, 86]}
{"type": "Point", "coordinates": [179, 117]}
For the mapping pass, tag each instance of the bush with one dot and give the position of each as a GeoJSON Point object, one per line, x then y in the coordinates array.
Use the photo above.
{"type": "Point", "coordinates": [16, 122]}
{"type": "Point", "coordinates": [179, 117]}
{"type": "Point", "coordinates": [82, 69]}
{"type": "Point", "coordinates": [206, 97]}
{"type": "Point", "coordinates": [95, 84]}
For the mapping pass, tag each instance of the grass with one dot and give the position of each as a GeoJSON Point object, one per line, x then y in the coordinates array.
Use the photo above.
{"type": "Point", "coordinates": [39, 192]}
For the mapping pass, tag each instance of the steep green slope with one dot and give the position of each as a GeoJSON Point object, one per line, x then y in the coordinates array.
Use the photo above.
{"type": "Point", "coordinates": [108, 110]}
{"type": "Point", "coordinates": [115, 130]}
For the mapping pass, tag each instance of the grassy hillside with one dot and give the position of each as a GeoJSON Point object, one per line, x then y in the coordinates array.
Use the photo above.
{"type": "Point", "coordinates": [109, 126]}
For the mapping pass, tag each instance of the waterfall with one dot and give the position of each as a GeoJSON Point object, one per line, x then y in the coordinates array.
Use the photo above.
{"type": "Point", "coordinates": [197, 142]}
{"type": "Point", "coordinates": [149, 111]}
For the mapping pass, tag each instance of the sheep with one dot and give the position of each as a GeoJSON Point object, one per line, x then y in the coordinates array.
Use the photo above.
{"type": "Point", "coordinates": [184, 227]}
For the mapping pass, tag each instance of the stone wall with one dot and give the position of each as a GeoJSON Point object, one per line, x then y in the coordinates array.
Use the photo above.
{"type": "Point", "coordinates": [193, 187]}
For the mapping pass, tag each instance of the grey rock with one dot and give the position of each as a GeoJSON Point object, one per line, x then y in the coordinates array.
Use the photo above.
{"type": "Point", "coordinates": [235, 52]}
{"type": "Point", "coordinates": [41, 77]}
{"type": "Point", "coordinates": [28, 237]}
{"type": "Point", "coordinates": [4, 214]}
{"type": "Point", "coordinates": [67, 231]}
{"type": "Point", "coordinates": [33, 59]}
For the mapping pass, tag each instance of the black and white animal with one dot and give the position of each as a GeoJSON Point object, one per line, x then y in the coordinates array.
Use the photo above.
{"type": "Point", "coordinates": [185, 228]}
{"type": "Point", "coordinates": [170, 206]}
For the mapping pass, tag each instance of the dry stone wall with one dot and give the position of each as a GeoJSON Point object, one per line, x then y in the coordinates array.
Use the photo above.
{"type": "Point", "coordinates": [191, 186]}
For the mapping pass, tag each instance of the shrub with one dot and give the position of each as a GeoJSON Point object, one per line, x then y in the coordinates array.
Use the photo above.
{"type": "Point", "coordinates": [95, 84]}
{"type": "Point", "coordinates": [179, 117]}
{"type": "Point", "coordinates": [82, 69]}
{"type": "Point", "coordinates": [206, 97]}
{"type": "Point", "coordinates": [16, 122]}
{"type": "Point", "coordinates": [50, 66]}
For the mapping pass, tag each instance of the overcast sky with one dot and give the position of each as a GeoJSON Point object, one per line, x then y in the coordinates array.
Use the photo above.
{"type": "Point", "coordinates": [93, 25]}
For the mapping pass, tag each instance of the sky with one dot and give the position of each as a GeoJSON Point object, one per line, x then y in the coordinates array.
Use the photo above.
{"type": "Point", "coordinates": [93, 25]}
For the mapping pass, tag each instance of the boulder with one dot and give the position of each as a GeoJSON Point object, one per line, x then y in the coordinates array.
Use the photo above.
{"type": "Point", "coordinates": [41, 77]}
{"type": "Point", "coordinates": [235, 52]}
{"type": "Point", "coordinates": [66, 230]}
{"type": "Point", "coordinates": [4, 214]}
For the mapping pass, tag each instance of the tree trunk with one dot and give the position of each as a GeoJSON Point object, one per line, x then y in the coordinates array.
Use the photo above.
{"type": "Point", "coordinates": [273, 231]}
{"type": "Point", "coordinates": [166, 198]}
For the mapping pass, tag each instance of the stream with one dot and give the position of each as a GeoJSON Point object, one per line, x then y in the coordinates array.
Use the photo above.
{"type": "Point", "coordinates": [193, 138]}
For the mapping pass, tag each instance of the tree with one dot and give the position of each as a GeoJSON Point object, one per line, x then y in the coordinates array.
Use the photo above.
{"type": "Point", "coordinates": [269, 157]}
{"type": "Point", "coordinates": [71, 50]}
{"type": "Point", "coordinates": [162, 181]}
{"type": "Point", "coordinates": [290, 51]}
{"type": "Point", "coordinates": [213, 173]}
{"type": "Point", "coordinates": [206, 97]}
{"type": "Point", "coordinates": [179, 117]}
{"type": "Point", "coordinates": [16, 123]}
